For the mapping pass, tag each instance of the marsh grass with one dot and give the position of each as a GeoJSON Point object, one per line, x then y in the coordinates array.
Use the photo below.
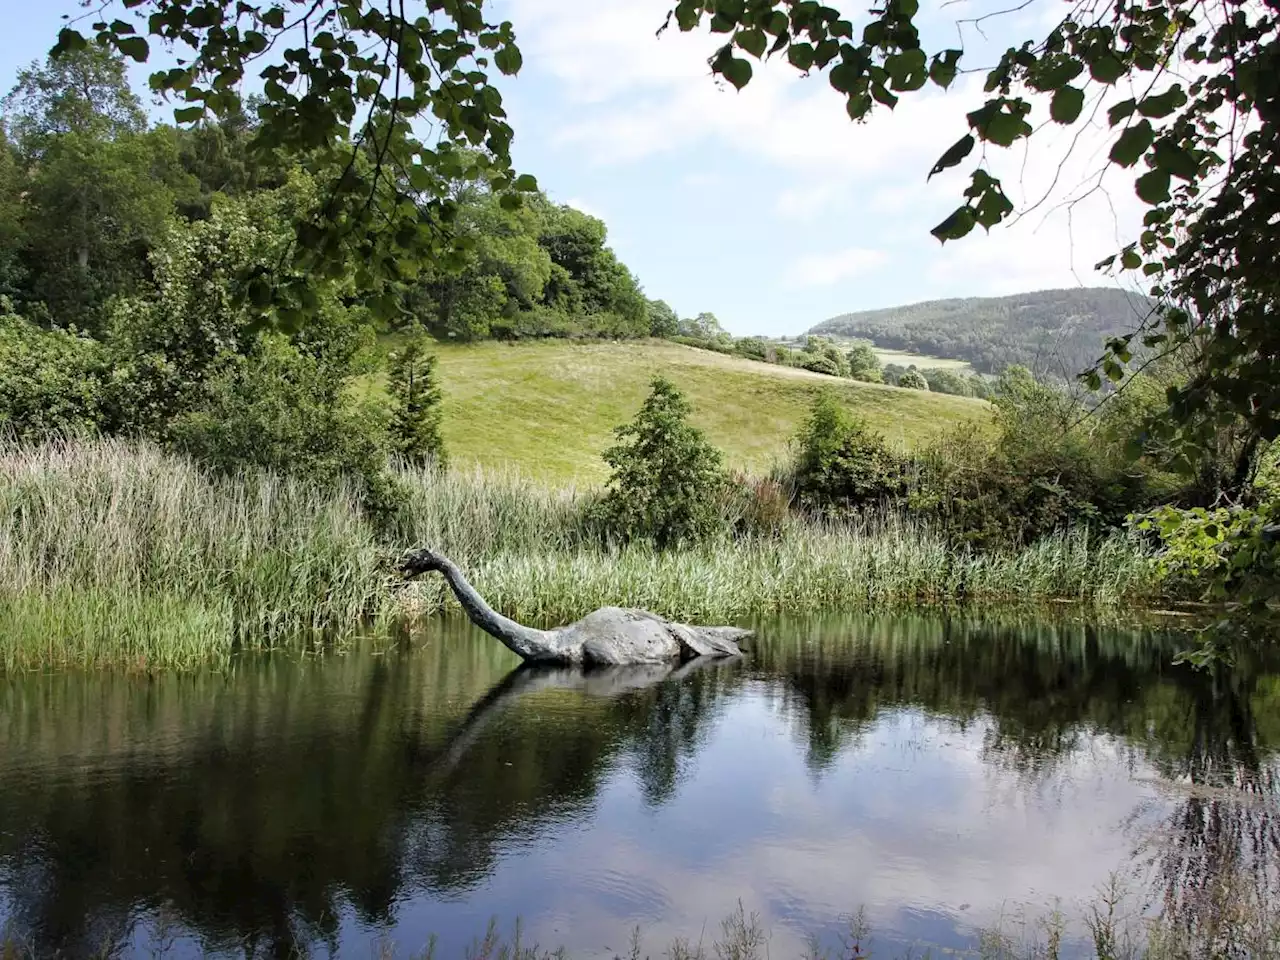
{"type": "Point", "coordinates": [116, 553]}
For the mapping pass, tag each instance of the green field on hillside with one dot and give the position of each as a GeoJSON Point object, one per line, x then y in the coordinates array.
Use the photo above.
{"type": "Point", "coordinates": [920, 361]}
{"type": "Point", "coordinates": [548, 408]}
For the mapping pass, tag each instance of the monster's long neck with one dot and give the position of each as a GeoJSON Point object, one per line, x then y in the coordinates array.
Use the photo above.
{"type": "Point", "coordinates": [525, 641]}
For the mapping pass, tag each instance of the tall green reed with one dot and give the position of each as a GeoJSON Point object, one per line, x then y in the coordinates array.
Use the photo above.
{"type": "Point", "coordinates": [115, 552]}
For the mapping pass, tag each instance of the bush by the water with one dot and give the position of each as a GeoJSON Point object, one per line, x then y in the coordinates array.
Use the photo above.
{"type": "Point", "coordinates": [1048, 467]}
{"type": "Point", "coordinates": [666, 478]}
{"type": "Point", "coordinates": [841, 465]}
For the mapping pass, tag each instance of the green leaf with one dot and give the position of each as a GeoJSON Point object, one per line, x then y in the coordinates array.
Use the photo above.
{"type": "Point", "coordinates": [68, 41]}
{"type": "Point", "coordinates": [955, 153]}
{"type": "Point", "coordinates": [1153, 187]}
{"type": "Point", "coordinates": [825, 52]}
{"type": "Point", "coordinates": [993, 207]}
{"type": "Point", "coordinates": [844, 77]}
{"type": "Point", "coordinates": [509, 59]}
{"type": "Point", "coordinates": [1132, 143]}
{"type": "Point", "coordinates": [1107, 69]}
{"type": "Point", "coordinates": [273, 18]}
{"type": "Point", "coordinates": [943, 69]}
{"type": "Point", "coordinates": [135, 48]}
{"type": "Point", "coordinates": [955, 226]}
{"type": "Point", "coordinates": [907, 69]}
{"type": "Point", "coordinates": [1053, 73]}
{"type": "Point", "coordinates": [737, 71]}
{"type": "Point", "coordinates": [1003, 128]}
{"type": "Point", "coordinates": [188, 114]}
{"type": "Point", "coordinates": [753, 41]}
{"type": "Point", "coordinates": [733, 9]}
{"type": "Point", "coordinates": [1163, 104]}
{"type": "Point", "coordinates": [510, 201]}
{"type": "Point", "coordinates": [1130, 259]}
{"type": "Point", "coordinates": [800, 55]}
{"type": "Point", "coordinates": [526, 183]}
{"type": "Point", "coordinates": [1067, 104]}
{"type": "Point", "coordinates": [688, 13]}
{"type": "Point", "coordinates": [1120, 112]}
{"type": "Point", "coordinates": [1177, 160]}
{"type": "Point", "coordinates": [259, 292]}
{"type": "Point", "coordinates": [882, 95]}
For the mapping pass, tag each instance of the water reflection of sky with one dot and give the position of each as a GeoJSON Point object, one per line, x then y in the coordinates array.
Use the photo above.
{"type": "Point", "coordinates": [910, 824]}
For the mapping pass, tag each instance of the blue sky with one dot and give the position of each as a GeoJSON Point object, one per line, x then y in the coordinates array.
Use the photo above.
{"type": "Point", "coordinates": [769, 207]}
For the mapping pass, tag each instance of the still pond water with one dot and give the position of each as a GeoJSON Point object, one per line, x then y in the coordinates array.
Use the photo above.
{"type": "Point", "coordinates": [938, 774]}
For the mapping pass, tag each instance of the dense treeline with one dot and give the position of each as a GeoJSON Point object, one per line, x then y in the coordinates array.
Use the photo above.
{"type": "Point", "coordinates": [1054, 333]}
{"type": "Point", "coordinates": [92, 196]}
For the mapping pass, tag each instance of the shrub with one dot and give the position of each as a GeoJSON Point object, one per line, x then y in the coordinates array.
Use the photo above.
{"type": "Point", "coordinates": [820, 363]}
{"type": "Point", "coordinates": [666, 477]}
{"type": "Point", "coordinates": [1050, 467]}
{"type": "Point", "coordinates": [864, 364]}
{"type": "Point", "coordinates": [415, 405]}
{"type": "Point", "coordinates": [285, 411]}
{"type": "Point", "coordinates": [822, 356]}
{"type": "Point", "coordinates": [841, 465]}
{"type": "Point", "coordinates": [948, 381]}
{"type": "Point", "coordinates": [50, 380]}
{"type": "Point", "coordinates": [168, 345]}
{"type": "Point", "coordinates": [913, 379]}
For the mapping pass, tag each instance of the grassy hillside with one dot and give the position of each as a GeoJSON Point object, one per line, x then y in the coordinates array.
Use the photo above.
{"type": "Point", "coordinates": [1054, 332]}
{"type": "Point", "coordinates": [549, 407]}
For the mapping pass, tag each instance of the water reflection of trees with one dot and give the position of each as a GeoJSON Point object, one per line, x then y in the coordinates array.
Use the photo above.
{"type": "Point", "coordinates": [258, 803]}
{"type": "Point", "coordinates": [1041, 687]}
{"type": "Point", "coordinates": [254, 806]}
{"type": "Point", "coordinates": [1043, 690]}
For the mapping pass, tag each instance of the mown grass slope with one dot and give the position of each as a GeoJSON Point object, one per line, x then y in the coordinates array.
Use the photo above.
{"type": "Point", "coordinates": [549, 408]}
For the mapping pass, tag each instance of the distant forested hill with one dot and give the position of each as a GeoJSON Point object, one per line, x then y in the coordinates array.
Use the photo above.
{"type": "Point", "coordinates": [1054, 332]}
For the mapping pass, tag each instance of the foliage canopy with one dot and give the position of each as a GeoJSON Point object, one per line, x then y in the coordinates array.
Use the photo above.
{"type": "Point", "coordinates": [345, 87]}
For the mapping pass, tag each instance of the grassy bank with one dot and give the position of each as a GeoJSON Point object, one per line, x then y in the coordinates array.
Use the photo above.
{"type": "Point", "coordinates": [116, 553]}
{"type": "Point", "coordinates": [550, 407]}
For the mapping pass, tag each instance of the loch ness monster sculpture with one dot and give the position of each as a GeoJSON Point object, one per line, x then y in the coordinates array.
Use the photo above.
{"type": "Point", "coordinates": [610, 635]}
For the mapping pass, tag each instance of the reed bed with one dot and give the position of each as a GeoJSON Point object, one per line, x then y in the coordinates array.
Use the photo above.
{"type": "Point", "coordinates": [810, 570]}
{"type": "Point", "coordinates": [114, 552]}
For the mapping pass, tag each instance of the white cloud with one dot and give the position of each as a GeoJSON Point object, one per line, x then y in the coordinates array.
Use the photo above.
{"type": "Point", "coordinates": [823, 269]}
{"type": "Point", "coordinates": [618, 98]}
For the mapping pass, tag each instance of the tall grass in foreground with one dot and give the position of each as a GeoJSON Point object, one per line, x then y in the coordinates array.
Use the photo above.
{"type": "Point", "coordinates": [113, 552]}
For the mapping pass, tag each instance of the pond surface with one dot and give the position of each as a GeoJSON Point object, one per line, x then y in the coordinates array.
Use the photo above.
{"type": "Point", "coordinates": [937, 774]}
